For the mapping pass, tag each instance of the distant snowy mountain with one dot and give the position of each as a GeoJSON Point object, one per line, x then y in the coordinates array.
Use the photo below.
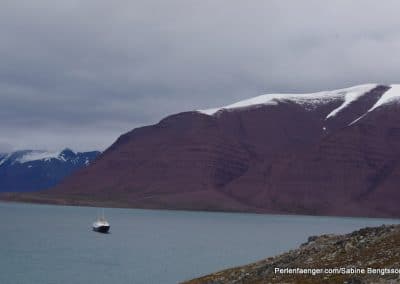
{"type": "Point", "coordinates": [30, 170]}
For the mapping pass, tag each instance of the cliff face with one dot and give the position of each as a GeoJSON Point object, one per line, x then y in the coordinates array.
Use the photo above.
{"type": "Point", "coordinates": [369, 249]}
{"type": "Point", "coordinates": [330, 153]}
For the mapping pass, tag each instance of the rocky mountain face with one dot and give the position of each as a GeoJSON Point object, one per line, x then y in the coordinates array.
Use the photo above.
{"type": "Point", "coordinates": [30, 170]}
{"type": "Point", "coordinates": [326, 153]}
{"type": "Point", "coordinates": [370, 249]}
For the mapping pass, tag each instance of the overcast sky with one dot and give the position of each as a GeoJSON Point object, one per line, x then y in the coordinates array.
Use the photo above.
{"type": "Point", "coordinates": [78, 73]}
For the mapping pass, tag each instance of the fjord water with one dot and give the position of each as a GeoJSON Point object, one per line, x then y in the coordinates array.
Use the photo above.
{"type": "Point", "coordinates": [55, 244]}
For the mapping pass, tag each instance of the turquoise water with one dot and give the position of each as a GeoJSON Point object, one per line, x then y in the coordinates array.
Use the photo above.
{"type": "Point", "coordinates": [55, 244]}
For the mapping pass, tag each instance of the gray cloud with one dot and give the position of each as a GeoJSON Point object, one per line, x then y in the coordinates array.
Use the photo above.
{"type": "Point", "coordinates": [79, 73]}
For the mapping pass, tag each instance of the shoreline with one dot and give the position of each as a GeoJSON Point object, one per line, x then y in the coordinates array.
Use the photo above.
{"type": "Point", "coordinates": [358, 257]}
{"type": "Point", "coordinates": [117, 206]}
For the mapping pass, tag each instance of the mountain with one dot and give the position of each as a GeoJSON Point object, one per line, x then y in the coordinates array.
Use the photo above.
{"type": "Point", "coordinates": [31, 170]}
{"type": "Point", "coordinates": [327, 153]}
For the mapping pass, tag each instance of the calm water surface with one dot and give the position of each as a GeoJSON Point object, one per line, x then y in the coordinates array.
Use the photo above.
{"type": "Point", "coordinates": [55, 244]}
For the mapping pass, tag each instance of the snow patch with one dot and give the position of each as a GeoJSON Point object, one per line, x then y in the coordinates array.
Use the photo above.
{"type": "Point", "coordinates": [39, 155]}
{"type": "Point", "coordinates": [351, 95]}
{"type": "Point", "coordinates": [4, 159]}
{"type": "Point", "coordinates": [390, 96]}
{"type": "Point", "coordinates": [308, 100]}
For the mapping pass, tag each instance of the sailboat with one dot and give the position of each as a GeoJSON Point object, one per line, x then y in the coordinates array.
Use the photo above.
{"type": "Point", "coordinates": [101, 225]}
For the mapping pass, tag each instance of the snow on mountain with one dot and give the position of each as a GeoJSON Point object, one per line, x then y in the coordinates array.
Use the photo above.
{"type": "Point", "coordinates": [3, 158]}
{"type": "Point", "coordinates": [29, 170]}
{"type": "Point", "coordinates": [39, 155]}
{"type": "Point", "coordinates": [26, 156]}
{"type": "Point", "coordinates": [308, 100]}
{"type": "Point", "coordinates": [273, 99]}
{"type": "Point", "coordinates": [391, 95]}
{"type": "Point", "coordinates": [351, 95]}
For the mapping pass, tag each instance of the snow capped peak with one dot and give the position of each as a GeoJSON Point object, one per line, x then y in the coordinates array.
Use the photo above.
{"type": "Point", "coordinates": [25, 156]}
{"type": "Point", "coordinates": [67, 154]}
{"type": "Point", "coordinates": [39, 155]}
{"type": "Point", "coordinates": [308, 100]}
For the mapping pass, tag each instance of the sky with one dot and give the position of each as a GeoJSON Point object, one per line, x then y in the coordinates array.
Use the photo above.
{"type": "Point", "coordinates": [79, 73]}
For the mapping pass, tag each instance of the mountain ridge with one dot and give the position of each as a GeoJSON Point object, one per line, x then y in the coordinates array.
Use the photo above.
{"type": "Point", "coordinates": [31, 170]}
{"type": "Point", "coordinates": [279, 157]}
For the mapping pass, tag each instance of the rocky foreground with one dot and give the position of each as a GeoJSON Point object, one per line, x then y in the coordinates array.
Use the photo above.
{"type": "Point", "coordinates": [360, 257]}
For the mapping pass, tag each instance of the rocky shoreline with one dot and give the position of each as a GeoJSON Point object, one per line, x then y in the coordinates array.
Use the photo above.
{"type": "Point", "coordinates": [369, 255]}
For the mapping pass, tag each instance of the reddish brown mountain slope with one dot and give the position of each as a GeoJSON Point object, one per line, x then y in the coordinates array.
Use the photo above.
{"type": "Point", "coordinates": [287, 155]}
